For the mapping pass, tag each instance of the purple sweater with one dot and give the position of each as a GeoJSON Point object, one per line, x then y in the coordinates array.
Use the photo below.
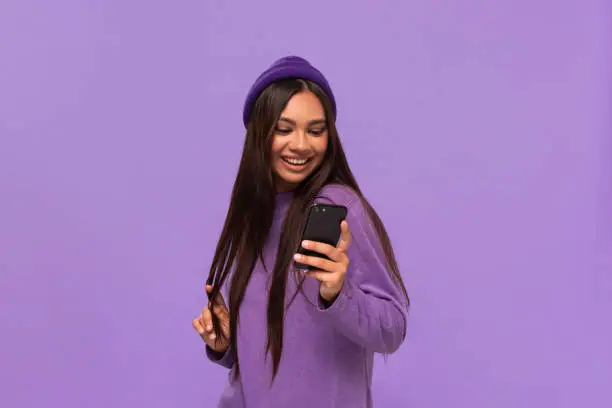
{"type": "Point", "coordinates": [327, 352]}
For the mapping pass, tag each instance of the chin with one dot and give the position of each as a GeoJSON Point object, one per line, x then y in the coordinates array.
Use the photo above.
{"type": "Point", "coordinates": [292, 180]}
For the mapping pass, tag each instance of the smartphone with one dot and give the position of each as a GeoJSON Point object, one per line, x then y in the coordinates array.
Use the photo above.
{"type": "Point", "coordinates": [323, 225]}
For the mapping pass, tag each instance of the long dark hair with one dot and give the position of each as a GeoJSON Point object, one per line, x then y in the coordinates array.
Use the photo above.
{"type": "Point", "coordinates": [251, 213]}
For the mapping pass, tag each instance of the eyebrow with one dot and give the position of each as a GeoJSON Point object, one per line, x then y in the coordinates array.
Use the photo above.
{"type": "Point", "coordinates": [312, 122]}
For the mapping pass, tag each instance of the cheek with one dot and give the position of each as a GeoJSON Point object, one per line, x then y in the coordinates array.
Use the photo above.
{"type": "Point", "coordinates": [277, 146]}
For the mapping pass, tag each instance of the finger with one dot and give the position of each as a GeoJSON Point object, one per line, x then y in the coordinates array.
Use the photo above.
{"type": "Point", "coordinates": [319, 263]}
{"type": "Point", "coordinates": [221, 312]}
{"type": "Point", "coordinates": [330, 251]}
{"type": "Point", "coordinates": [324, 277]}
{"type": "Point", "coordinates": [197, 324]}
{"type": "Point", "coordinates": [207, 327]}
{"type": "Point", "coordinates": [207, 320]}
{"type": "Point", "coordinates": [345, 237]}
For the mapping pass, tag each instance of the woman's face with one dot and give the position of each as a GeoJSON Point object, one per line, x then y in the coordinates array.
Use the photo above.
{"type": "Point", "coordinates": [300, 141]}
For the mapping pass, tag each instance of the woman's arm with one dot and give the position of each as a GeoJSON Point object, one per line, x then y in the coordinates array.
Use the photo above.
{"type": "Point", "coordinates": [370, 308]}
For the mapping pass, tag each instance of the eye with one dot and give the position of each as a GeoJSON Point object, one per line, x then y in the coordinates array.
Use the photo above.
{"type": "Point", "coordinates": [318, 132]}
{"type": "Point", "coordinates": [283, 131]}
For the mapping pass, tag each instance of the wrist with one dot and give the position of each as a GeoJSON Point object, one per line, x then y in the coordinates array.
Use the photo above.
{"type": "Point", "coordinates": [220, 351]}
{"type": "Point", "coordinates": [218, 348]}
{"type": "Point", "coordinates": [328, 295]}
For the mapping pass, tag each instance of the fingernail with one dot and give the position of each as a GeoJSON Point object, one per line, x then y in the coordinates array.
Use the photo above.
{"type": "Point", "coordinates": [209, 327]}
{"type": "Point", "coordinates": [297, 257]}
{"type": "Point", "coordinates": [305, 244]}
{"type": "Point", "coordinates": [212, 336]}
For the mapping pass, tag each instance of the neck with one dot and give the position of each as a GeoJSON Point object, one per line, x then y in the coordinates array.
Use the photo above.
{"type": "Point", "coordinates": [282, 186]}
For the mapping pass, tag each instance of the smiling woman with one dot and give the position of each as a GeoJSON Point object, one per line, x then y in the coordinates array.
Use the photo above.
{"type": "Point", "coordinates": [352, 305]}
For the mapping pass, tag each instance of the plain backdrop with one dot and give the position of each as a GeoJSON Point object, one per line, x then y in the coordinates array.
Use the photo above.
{"type": "Point", "coordinates": [479, 130]}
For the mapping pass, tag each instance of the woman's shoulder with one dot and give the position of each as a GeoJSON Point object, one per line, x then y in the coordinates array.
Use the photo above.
{"type": "Point", "coordinates": [338, 194]}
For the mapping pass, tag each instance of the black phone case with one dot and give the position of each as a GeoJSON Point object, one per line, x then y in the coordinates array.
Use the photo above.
{"type": "Point", "coordinates": [323, 225]}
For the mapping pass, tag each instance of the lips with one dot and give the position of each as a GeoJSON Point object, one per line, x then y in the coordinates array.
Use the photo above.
{"type": "Point", "coordinates": [295, 161]}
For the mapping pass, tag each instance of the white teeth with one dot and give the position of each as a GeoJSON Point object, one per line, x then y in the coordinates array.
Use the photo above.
{"type": "Point", "coordinates": [295, 161]}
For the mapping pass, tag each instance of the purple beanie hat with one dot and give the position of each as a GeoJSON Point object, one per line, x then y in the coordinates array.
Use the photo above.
{"type": "Point", "coordinates": [287, 67]}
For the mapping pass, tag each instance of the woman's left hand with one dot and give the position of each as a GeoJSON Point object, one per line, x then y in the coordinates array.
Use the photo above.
{"type": "Point", "coordinates": [329, 272]}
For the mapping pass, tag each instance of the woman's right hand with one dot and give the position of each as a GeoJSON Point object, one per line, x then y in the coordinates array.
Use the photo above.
{"type": "Point", "coordinates": [204, 325]}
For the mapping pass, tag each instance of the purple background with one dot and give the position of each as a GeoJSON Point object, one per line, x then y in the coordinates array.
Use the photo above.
{"type": "Point", "coordinates": [477, 129]}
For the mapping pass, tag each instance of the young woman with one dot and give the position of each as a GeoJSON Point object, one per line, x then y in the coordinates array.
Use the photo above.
{"type": "Point", "coordinates": [292, 338]}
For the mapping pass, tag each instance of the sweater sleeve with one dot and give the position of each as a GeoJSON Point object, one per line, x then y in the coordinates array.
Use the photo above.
{"type": "Point", "coordinates": [370, 309]}
{"type": "Point", "coordinates": [223, 359]}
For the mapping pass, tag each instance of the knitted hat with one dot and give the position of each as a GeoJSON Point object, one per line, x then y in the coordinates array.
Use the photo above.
{"type": "Point", "coordinates": [287, 67]}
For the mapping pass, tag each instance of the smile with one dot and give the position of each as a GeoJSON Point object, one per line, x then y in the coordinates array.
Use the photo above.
{"type": "Point", "coordinates": [295, 161]}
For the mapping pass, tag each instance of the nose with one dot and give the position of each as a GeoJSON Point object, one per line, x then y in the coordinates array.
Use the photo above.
{"type": "Point", "coordinates": [299, 141]}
